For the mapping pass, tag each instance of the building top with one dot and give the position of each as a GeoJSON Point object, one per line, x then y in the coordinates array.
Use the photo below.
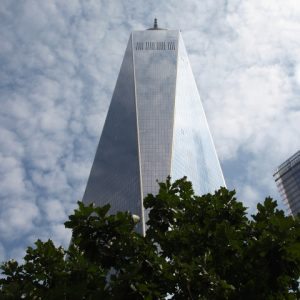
{"type": "Point", "coordinates": [289, 163]}
{"type": "Point", "coordinates": [155, 26]}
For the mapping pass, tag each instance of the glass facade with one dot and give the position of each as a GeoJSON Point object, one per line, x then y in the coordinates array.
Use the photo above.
{"type": "Point", "coordinates": [287, 178]}
{"type": "Point", "coordinates": [155, 81]}
{"type": "Point", "coordinates": [155, 127]}
{"type": "Point", "coordinates": [194, 154]}
{"type": "Point", "coordinates": [115, 173]}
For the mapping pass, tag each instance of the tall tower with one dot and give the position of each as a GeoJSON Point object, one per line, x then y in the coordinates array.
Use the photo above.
{"type": "Point", "coordinates": [155, 127]}
{"type": "Point", "coordinates": [287, 178]}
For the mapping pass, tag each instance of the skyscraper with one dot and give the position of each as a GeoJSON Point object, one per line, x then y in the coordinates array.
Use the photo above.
{"type": "Point", "coordinates": [287, 178]}
{"type": "Point", "coordinates": [155, 127]}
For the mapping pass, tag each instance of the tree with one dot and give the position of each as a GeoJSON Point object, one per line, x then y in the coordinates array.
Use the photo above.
{"type": "Point", "coordinates": [195, 248]}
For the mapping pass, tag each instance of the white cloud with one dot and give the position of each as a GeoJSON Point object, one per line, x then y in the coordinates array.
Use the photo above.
{"type": "Point", "coordinates": [297, 74]}
{"type": "Point", "coordinates": [17, 219]}
{"type": "Point", "coordinates": [54, 211]}
{"type": "Point", "coordinates": [255, 99]}
{"type": "Point", "coordinates": [249, 196]}
{"type": "Point", "coordinates": [2, 253]}
{"type": "Point", "coordinates": [60, 235]}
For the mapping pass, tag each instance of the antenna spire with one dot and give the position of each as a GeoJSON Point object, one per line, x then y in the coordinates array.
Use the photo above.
{"type": "Point", "coordinates": [155, 26]}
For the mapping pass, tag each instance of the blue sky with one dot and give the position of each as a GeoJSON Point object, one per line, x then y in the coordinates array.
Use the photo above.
{"type": "Point", "coordinates": [59, 63]}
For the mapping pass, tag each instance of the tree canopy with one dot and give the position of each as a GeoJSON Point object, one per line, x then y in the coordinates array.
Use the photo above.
{"type": "Point", "coordinates": [195, 247]}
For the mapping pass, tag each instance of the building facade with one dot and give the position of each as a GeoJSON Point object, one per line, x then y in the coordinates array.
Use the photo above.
{"type": "Point", "coordinates": [155, 127]}
{"type": "Point", "coordinates": [287, 178]}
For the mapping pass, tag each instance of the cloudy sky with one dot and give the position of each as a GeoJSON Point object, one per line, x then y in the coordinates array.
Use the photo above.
{"type": "Point", "coordinates": [59, 61]}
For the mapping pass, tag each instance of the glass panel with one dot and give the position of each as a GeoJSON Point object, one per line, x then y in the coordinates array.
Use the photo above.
{"type": "Point", "coordinates": [194, 154]}
{"type": "Point", "coordinates": [155, 56]}
{"type": "Point", "coordinates": [115, 175]}
{"type": "Point", "coordinates": [287, 179]}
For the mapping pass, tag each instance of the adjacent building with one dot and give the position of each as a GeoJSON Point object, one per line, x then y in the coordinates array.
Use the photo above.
{"type": "Point", "coordinates": [287, 178]}
{"type": "Point", "coordinates": [155, 127]}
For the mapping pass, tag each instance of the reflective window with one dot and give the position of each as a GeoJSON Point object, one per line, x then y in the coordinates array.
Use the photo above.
{"type": "Point", "coordinates": [287, 179]}
{"type": "Point", "coordinates": [155, 127]}
{"type": "Point", "coordinates": [194, 154]}
{"type": "Point", "coordinates": [155, 79]}
{"type": "Point", "coordinates": [115, 174]}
